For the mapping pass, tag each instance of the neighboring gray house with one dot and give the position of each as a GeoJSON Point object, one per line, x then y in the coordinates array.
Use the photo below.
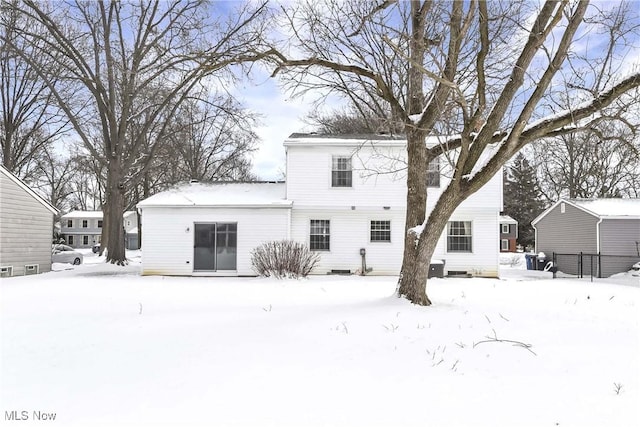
{"type": "Point", "coordinates": [508, 233]}
{"type": "Point", "coordinates": [83, 229]}
{"type": "Point", "coordinates": [26, 228]}
{"type": "Point", "coordinates": [590, 236]}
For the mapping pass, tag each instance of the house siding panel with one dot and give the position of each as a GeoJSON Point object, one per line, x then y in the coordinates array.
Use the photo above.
{"type": "Point", "coordinates": [619, 237]}
{"type": "Point", "coordinates": [571, 232]}
{"type": "Point", "coordinates": [168, 239]}
{"type": "Point", "coordinates": [26, 228]}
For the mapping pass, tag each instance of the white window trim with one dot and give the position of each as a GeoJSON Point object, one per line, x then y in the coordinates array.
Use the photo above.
{"type": "Point", "coordinates": [309, 234]}
{"type": "Point", "coordinates": [502, 244]}
{"type": "Point", "coordinates": [505, 226]}
{"type": "Point", "coordinates": [331, 186]}
{"type": "Point", "coordinates": [379, 241]}
{"type": "Point", "coordinates": [446, 236]}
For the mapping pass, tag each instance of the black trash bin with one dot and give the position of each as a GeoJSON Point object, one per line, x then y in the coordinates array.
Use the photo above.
{"type": "Point", "coordinates": [542, 262]}
{"type": "Point", "coordinates": [436, 269]}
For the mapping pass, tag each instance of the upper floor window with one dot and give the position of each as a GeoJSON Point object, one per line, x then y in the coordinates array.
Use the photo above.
{"type": "Point", "coordinates": [319, 235]}
{"type": "Point", "coordinates": [459, 237]}
{"type": "Point", "coordinates": [341, 172]}
{"type": "Point", "coordinates": [70, 223]}
{"type": "Point", "coordinates": [99, 223]}
{"type": "Point", "coordinates": [85, 223]}
{"type": "Point", "coordinates": [433, 173]}
{"type": "Point", "coordinates": [380, 231]}
{"type": "Point", "coordinates": [505, 228]}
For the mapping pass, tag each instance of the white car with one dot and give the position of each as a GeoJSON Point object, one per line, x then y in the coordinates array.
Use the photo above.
{"type": "Point", "coordinates": [66, 254]}
{"type": "Point", "coordinates": [635, 269]}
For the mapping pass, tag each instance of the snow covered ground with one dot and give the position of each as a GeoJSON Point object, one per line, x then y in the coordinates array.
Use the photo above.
{"type": "Point", "coordinates": [100, 345]}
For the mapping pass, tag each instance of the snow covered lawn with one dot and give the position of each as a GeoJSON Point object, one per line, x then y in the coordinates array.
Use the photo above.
{"type": "Point", "coordinates": [101, 345]}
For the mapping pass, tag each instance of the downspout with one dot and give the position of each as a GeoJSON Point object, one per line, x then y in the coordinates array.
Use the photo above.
{"type": "Point", "coordinates": [598, 249]}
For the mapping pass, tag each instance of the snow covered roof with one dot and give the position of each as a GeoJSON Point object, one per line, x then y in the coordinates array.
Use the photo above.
{"type": "Point", "coordinates": [355, 140]}
{"type": "Point", "coordinates": [221, 194]}
{"type": "Point", "coordinates": [600, 208]}
{"type": "Point", "coordinates": [82, 214]}
{"type": "Point", "coordinates": [610, 207]}
{"type": "Point", "coordinates": [506, 219]}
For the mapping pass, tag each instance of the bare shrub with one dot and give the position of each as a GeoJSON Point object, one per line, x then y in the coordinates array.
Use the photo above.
{"type": "Point", "coordinates": [283, 258]}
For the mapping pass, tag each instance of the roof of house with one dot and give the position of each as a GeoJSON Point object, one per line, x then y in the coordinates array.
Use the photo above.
{"type": "Point", "coordinates": [28, 189]}
{"type": "Point", "coordinates": [82, 214]}
{"type": "Point", "coordinates": [221, 194]}
{"type": "Point", "coordinates": [506, 219]}
{"type": "Point", "coordinates": [353, 139]}
{"type": "Point", "coordinates": [600, 208]}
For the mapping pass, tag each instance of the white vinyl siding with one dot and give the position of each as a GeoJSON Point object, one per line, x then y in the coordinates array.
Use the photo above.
{"type": "Point", "coordinates": [167, 236]}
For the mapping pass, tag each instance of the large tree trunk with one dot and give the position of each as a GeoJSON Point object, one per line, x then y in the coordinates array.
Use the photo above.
{"type": "Point", "coordinates": [113, 210]}
{"type": "Point", "coordinates": [412, 283]}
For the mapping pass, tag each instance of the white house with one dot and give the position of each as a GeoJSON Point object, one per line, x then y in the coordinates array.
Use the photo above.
{"type": "Point", "coordinates": [26, 228]}
{"type": "Point", "coordinates": [342, 195]}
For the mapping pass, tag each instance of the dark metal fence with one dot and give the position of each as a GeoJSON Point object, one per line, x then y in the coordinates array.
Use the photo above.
{"type": "Point", "coordinates": [593, 265]}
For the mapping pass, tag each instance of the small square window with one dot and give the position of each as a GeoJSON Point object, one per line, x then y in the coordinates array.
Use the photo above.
{"type": "Point", "coordinates": [319, 235]}
{"type": "Point", "coordinates": [341, 173]}
{"type": "Point", "coordinates": [380, 231]}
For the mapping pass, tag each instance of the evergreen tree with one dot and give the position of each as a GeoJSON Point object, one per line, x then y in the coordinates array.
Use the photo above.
{"type": "Point", "coordinates": [522, 198]}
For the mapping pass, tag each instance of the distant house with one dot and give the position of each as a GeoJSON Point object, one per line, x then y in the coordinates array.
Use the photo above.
{"type": "Point", "coordinates": [26, 228]}
{"type": "Point", "coordinates": [595, 236]}
{"type": "Point", "coordinates": [83, 229]}
{"type": "Point", "coordinates": [508, 233]}
{"type": "Point", "coordinates": [330, 202]}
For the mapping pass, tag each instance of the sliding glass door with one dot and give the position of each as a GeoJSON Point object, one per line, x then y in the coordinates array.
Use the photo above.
{"type": "Point", "coordinates": [215, 246]}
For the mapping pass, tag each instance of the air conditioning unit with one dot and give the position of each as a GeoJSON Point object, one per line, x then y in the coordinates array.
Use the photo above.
{"type": "Point", "coordinates": [6, 271]}
{"type": "Point", "coordinates": [31, 269]}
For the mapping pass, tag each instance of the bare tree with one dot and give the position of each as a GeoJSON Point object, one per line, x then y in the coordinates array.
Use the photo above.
{"type": "Point", "coordinates": [476, 70]}
{"type": "Point", "coordinates": [31, 119]}
{"type": "Point", "coordinates": [136, 63]}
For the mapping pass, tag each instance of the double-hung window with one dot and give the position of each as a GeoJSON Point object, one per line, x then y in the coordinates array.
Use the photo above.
{"type": "Point", "coordinates": [70, 223]}
{"type": "Point", "coordinates": [504, 245]}
{"type": "Point", "coordinates": [85, 223]}
{"type": "Point", "coordinates": [99, 223]}
{"type": "Point", "coordinates": [433, 173]}
{"type": "Point", "coordinates": [505, 228]}
{"type": "Point", "coordinates": [380, 231]}
{"type": "Point", "coordinates": [459, 238]}
{"type": "Point", "coordinates": [319, 235]}
{"type": "Point", "coordinates": [341, 173]}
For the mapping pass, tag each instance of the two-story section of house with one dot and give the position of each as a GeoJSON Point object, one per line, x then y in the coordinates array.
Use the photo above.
{"type": "Point", "coordinates": [81, 229]}
{"type": "Point", "coordinates": [349, 197]}
{"type": "Point", "coordinates": [508, 233]}
{"type": "Point", "coordinates": [345, 197]}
